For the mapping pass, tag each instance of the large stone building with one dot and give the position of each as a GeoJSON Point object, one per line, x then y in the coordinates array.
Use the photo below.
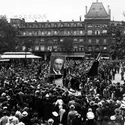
{"type": "Point", "coordinates": [88, 37]}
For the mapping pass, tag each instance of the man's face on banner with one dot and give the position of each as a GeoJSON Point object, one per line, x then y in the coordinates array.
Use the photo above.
{"type": "Point", "coordinates": [58, 64]}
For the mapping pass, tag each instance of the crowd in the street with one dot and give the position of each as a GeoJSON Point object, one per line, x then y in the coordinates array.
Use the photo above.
{"type": "Point", "coordinates": [29, 97]}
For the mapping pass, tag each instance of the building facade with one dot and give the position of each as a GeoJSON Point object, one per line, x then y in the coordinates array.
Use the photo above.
{"type": "Point", "coordinates": [89, 37]}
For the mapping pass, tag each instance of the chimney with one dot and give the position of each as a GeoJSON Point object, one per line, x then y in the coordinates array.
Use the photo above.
{"type": "Point", "coordinates": [110, 13]}
{"type": "Point", "coordinates": [108, 9]}
{"type": "Point", "coordinates": [80, 19]}
{"type": "Point", "coordinates": [85, 10]}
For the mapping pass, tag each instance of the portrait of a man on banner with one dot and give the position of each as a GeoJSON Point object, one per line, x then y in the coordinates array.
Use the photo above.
{"type": "Point", "coordinates": [57, 65]}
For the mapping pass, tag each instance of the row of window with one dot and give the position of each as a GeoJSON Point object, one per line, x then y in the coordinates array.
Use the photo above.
{"type": "Point", "coordinates": [97, 41]}
{"type": "Point", "coordinates": [97, 26]}
{"type": "Point", "coordinates": [96, 32]}
{"type": "Point", "coordinates": [51, 25]}
{"type": "Point", "coordinates": [51, 32]}
{"type": "Point", "coordinates": [76, 40]}
{"type": "Point", "coordinates": [61, 32]}
{"type": "Point", "coordinates": [75, 48]}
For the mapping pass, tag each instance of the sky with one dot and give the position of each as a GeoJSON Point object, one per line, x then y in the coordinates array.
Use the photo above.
{"type": "Point", "coordinates": [55, 10]}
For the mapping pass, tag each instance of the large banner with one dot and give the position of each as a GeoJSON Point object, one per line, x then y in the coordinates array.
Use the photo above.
{"type": "Point", "coordinates": [57, 65]}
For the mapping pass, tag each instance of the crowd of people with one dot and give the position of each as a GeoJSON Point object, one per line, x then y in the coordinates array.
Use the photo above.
{"type": "Point", "coordinates": [29, 96]}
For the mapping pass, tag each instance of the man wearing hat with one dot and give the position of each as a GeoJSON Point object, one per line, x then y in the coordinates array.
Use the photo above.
{"type": "Point", "coordinates": [90, 118]}
{"type": "Point", "coordinates": [112, 121]}
{"type": "Point", "coordinates": [118, 116]}
{"type": "Point", "coordinates": [71, 115]}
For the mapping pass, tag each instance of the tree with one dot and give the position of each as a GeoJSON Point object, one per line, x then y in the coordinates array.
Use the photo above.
{"type": "Point", "coordinates": [7, 36]}
{"type": "Point", "coordinates": [118, 42]}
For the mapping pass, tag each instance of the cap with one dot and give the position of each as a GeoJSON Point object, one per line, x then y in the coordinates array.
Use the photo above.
{"type": "Point", "coordinates": [90, 115]}
{"type": "Point", "coordinates": [50, 120]}
{"type": "Point", "coordinates": [24, 114]}
{"type": "Point", "coordinates": [55, 113]}
{"type": "Point", "coordinates": [112, 118]}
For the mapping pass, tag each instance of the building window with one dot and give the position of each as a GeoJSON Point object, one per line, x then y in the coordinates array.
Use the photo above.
{"type": "Point", "coordinates": [24, 33]}
{"type": "Point", "coordinates": [75, 25]}
{"type": "Point", "coordinates": [30, 34]}
{"type": "Point", "coordinates": [97, 41]}
{"type": "Point", "coordinates": [68, 25]}
{"type": "Point", "coordinates": [36, 48]}
{"type": "Point", "coordinates": [81, 40]}
{"type": "Point", "coordinates": [90, 41]}
{"type": "Point", "coordinates": [81, 48]}
{"type": "Point", "coordinates": [41, 40]}
{"type": "Point", "coordinates": [49, 25]}
{"type": "Point", "coordinates": [52, 24]}
{"type": "Point", "coordinates": [62, 25]}
{"type": "Point", "coordinates": [78, 32]}
{"type": "Point", "coordinates": [89, 48]}
{"type": "Point", "coordinates": [42, 48]}
{"type": "Point", "coordinates": [97, 26]}
{"type": "Point", "coordinates": [97, 32]}
{"type": "Point", "coordinates": [75, 48]}
{"type": "Point", "coordinates": [43, 33]}
{"type": "Point", "coordinates": [81, 32]}
{"type": "Point", "coordinates": [78, 24]}
{"type": "Point", "coordinates": [89, 32]}
{"type": "Point", "coordinates": [68, 32]}
{"type": "Point", "coordinates": [61, 40]}
{"type": "Point", "coordinates": [55, 32]}
{"type": "Point", "coordinates": [39, 33]}
{"type": "Point", "coordinates": [35, 33]}
{"type": "Point", "coordinates": [55, 48]}
{"type": "Point", "coordinates": [49, 33]}
{"type": "Point", "coordinates": [97, 49]}
{"type": "Point", "coordinates": [104, 48]}
{"type": "Point", "coordinates": [49, 48]}
{"type": "Point", "coordinates": [55, 25]}
{"type": "Point", "coordinates": [104, 41]}
{"type": "Point", "coordinates": [75, 32]}
{"type": "Point", "coordinates": [104, 31]}
{"type": "Point", "coordinates": [89, 26]}
{"type": "Point", "coordinates": [72, 24]}
{"type": "Point", "coordinates": [75, 39]}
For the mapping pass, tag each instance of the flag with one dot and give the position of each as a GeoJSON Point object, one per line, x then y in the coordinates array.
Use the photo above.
{"type": "Point", "coordinates": [94, 68]}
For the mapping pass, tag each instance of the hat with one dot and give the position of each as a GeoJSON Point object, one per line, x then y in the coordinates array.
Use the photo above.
{"type": "Point", "coordinates": [112, 118]}
{"type": "Point", "coordinates": [117, 111]}
{"type": "Point", "coordinates": [90, 115]}
{"type": "Point", "coordinates": [90, 110]}
{"type": "Point", "coordinates": [124, 98]}
{"type": "Point", "coordinates": [92, 103]}
{"type": "Point", "coordinates": [55, 113]}
{"type": "Point", "coordinates": [72, 107]}
{"type": "Point", "coordinates": [3, 94]}
{"type": "Point", "coordinates": [123, 106]}
{"type": "Point", "coordinates": [18, 113]}
{"type": "Point", "coordinates": [5, 107]}
{"type": "Point", "coordinates": [37, 91]}
{"type": "Point", "coordinates": [24, 114]}
{"type": "Point", "coordinates": [21, 123]}
{"type": "Point", "coordinates": [50, 120]}
{"type": "Point", "coordinates": [100, 104]}
{"type": "Point", "coordinates": [47, 95]}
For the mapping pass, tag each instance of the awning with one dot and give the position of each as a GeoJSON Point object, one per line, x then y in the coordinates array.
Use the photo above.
{"type": "Point", "coordinates": [18, 56]}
